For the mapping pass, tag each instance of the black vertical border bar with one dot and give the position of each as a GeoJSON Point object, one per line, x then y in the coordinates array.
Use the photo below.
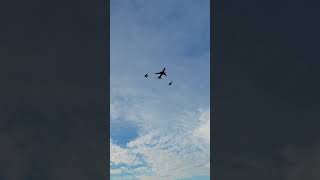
{"type": "Point", "coordinates": [212, 53]}
{"type": "Point", "coordinates": [107, 163]}
{"type": "Point", "coordinates": [54, 64]}
{"type": "Point", "coordinates": [215, 80]}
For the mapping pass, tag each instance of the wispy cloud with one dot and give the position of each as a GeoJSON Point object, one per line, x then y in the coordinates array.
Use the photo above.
{"type": "Point", "coordinates": [165, 154]}
{"type": "Point", "coordinates": [122, 156]}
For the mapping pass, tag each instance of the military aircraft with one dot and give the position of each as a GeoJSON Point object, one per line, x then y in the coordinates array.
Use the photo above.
{"type": "Point", "coordinates": [146, 75]}
{"type": "Point", "coordinates": [161, 73]}
{"type": "Point", "coordinates": [170, 83]}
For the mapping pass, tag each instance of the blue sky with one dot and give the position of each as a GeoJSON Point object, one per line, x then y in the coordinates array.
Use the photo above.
{"type": "Point", "coordinates": [160, 131]}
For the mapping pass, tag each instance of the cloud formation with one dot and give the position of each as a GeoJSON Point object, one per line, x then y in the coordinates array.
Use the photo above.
{"type": "Point", "coordinates": [165, 154]}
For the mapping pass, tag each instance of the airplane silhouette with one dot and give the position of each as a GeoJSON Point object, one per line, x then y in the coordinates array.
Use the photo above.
{"type": "Point", "coordinates": [146, 75]}
{"type": "Point", "coordinates": [170, 83]}
{"type": "Point", "coordinates": [161, 73]}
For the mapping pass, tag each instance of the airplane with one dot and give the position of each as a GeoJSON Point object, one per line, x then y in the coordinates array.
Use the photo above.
{"type": "Point", "coordinates": [146, 75]}
{"type": "Point", "coordinates": [170, 83]}
{"type": "Point", "coordinates": [161, 73]}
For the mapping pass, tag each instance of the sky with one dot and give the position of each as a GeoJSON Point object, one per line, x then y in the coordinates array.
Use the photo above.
{"type": "Point", "coordinates": [160, 131]}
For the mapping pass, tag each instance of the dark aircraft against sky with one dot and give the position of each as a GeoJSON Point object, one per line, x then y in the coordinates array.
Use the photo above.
{"type": "Point", "coordinates": [161, 73]}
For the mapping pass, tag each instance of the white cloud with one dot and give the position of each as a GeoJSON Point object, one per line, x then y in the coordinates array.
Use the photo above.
{"type": "Point", "coordinates": [122, 156]}
{"type": "Point", "coordinates": [203, 131]}
{"type": "Point", "coordinates": [169, 155]}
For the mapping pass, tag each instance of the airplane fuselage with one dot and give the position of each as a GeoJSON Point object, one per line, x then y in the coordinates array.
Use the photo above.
{"type": "Point", "coordinates": [161, 73]}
